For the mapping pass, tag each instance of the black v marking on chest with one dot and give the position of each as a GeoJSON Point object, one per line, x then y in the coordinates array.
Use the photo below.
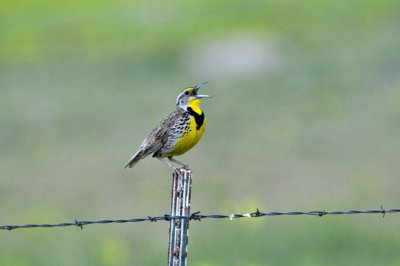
{"type": "Point", "coordinates": [199, 118]}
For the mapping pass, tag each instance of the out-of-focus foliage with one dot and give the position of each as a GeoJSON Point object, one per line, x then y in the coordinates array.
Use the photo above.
{"type": "Point", "coordinates": [305, 115]}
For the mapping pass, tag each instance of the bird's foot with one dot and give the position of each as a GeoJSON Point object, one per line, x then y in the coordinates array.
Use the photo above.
{"type": "Point", "coordinates": [177, 171]}
{"type": "Point", "coordinates": [184, 166]}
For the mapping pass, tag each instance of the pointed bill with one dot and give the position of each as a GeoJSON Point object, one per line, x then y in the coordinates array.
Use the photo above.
{"type": "Point", "coordinates": [202, 96]}
{"type": "Point", "coordinates": [198, 86]}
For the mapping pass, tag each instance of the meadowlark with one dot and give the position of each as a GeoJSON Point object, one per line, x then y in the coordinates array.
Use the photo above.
{"type": "Point", "coordinates": [177, 133]}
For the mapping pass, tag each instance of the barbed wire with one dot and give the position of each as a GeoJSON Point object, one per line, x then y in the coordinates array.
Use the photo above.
{"type": "Point", "coordinates": [196, 216]}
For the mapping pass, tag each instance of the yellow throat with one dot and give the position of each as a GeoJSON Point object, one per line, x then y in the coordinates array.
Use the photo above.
{"type": "Point", "coordinates": [191, 136]}
{"type": "Point", "coordinates": [195, 105]}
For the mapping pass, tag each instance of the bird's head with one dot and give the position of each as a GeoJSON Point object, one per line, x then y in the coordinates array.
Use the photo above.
{"type": "Point", "coordinates": [189, 98]}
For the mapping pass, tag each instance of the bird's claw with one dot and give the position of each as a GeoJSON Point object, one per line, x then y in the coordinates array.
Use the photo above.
{"type": "Point", "coordinates": [177, 171]}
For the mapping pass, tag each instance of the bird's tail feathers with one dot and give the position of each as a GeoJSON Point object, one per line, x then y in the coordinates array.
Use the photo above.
{"type": "Point", "coordinates": [135, 158]}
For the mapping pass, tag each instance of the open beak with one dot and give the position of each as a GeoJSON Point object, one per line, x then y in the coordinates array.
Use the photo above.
{"type": "Point", "coordinates": [202, 96]}
{"type": "Point", "coordinates": [196, 88]}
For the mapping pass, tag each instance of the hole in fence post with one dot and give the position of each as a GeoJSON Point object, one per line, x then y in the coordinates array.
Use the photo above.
{"type": "Point", "coordinates": [179, 228]}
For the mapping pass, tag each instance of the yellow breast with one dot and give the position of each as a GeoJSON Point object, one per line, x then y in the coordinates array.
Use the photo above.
{"type": "Point", "coordinates": [188, 140]}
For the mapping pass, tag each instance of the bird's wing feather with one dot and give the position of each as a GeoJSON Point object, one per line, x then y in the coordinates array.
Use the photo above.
{"type": "Point", "coordinates": [159, 135]}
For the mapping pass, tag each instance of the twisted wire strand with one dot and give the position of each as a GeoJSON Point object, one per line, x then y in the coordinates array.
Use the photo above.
{"type": "Point", "coordinates": [196, 216]}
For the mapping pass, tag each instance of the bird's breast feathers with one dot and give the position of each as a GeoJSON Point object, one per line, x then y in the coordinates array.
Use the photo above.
{"type": "Point", "coordinates": [189, 138]}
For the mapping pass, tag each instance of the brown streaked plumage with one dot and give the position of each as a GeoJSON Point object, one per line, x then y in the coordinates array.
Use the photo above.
{"type": "Point", "coordinates": [176, 133]}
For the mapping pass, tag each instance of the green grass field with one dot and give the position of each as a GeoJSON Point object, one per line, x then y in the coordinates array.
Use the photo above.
{"type": "Point", "coordinates": [305, 115]}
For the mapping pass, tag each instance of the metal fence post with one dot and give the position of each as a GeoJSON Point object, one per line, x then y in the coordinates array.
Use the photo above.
{"type": "Point", "coordinates": [179, 228]}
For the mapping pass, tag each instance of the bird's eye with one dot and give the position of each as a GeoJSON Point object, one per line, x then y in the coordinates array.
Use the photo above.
{"type": "Point", "coordinates": [186, 92]}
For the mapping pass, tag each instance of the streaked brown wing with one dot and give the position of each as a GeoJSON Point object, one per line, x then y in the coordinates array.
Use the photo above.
{"type": "Point", "coordinates": [159, 135]}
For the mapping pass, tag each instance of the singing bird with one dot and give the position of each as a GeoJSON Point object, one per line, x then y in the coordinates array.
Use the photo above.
{"type": "Point", "coordinates": [177, 133]}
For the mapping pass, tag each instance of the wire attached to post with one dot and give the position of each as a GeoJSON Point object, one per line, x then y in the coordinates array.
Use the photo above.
{"type": "Point", "coordinates": [179, 227]}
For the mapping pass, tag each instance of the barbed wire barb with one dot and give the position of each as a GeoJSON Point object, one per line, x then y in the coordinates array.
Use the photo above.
{"type": "Point", "coordinates": [197, 216]}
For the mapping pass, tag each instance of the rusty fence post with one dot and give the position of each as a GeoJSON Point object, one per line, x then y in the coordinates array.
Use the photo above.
{"type": "Point", "coordinates": [179, 228]}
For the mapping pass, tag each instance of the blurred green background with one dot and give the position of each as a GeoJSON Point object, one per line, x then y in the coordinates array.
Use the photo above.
{"type": "Point", "coordinates": [305, 115]}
